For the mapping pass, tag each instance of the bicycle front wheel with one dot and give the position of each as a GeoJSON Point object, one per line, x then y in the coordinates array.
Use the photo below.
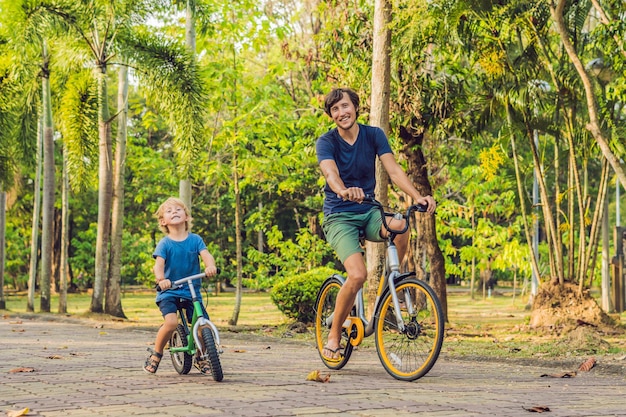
{"type": "Point", "coordinates": [324, 309]}
{"type": "Point", "coordinates": [211, 354]}
{"type": "Point", "coordinates": [181, 361]}
{"type": "Point", "coordinates": [410, 353]}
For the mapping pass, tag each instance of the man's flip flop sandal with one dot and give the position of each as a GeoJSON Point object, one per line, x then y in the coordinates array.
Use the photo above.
{"type": "Point", "coordinates": [333, 360]}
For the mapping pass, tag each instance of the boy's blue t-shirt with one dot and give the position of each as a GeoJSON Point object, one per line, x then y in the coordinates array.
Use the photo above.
{"type": "Point", "coordinates": [356, 164]}
{"type": "Point", "coordinates": [181, 260]}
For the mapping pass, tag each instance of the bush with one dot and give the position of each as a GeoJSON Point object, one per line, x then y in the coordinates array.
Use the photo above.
{"type": "Point", "coordinates": [295, 296]}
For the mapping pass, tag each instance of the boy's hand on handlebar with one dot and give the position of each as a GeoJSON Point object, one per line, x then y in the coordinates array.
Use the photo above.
{"type": "Point", "coordinates": [165, 284]}
{"type": "Point", "coordinates": [429, 202]}
{"type": "Point", "coordinates": [210, 271]}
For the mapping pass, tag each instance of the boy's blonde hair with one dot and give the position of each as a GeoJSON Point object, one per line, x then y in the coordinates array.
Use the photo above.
{"type": "Point", "coordinates": [172, 201]}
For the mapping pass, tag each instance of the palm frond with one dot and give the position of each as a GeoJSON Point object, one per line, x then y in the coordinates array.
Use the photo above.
{"type": "Point", "coordinates": [78, 125]}
{"type": "Point", "coordinates": [172, 79]}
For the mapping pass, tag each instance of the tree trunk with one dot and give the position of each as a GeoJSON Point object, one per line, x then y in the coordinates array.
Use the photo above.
{"type": "Point", "coordinates": [473, 273]}
{"type": "Point", "coordinates": [534, 262]}
{"type": "Point", "coordinates": [238, 230]}
{"type": "Point", "coordinates": [34, 235]}
{"type": "Point", "coordinates": [379, 116]}
{"type": "Point", "coordinates": [105, 191]}
{"type": "Point", "coordinates": [426, 225]}
{"type": "Point", "coordinates": [47, 223]}
{"type": "Point", "coordinates": [591, 251]}
{"type": "Point", "coordinates": [555, 252]}
{"type": "Point", "coordinates": [65, 237]}
{"type": "Point", "coordinates": [113, 299]}
{"type": "Point", "coordinates": [594, 123]}
{"type": "Point", "coordinates": [3, 215]}
{"type": "Point", "coordinates": [184, 185]}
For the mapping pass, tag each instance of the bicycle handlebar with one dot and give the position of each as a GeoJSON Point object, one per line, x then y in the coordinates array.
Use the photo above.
{"type": "Point", "coordinates": [179, 282]}
{"type": "Point", "coordinates": [421, 208]}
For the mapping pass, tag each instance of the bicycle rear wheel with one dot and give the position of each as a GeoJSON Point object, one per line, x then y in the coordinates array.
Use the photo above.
{"type": "Point", "coordinates": [324, 308]}
{"type": "Point", "coordinates": [211, 354]}
{"type": "Point", "coordinates": [409, 354]}
{"type": "Point", "coordinates": [182, 361]}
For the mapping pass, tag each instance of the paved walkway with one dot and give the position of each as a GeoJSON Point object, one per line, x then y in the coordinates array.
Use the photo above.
{"type": "Point", "coordinates": [82, 370]}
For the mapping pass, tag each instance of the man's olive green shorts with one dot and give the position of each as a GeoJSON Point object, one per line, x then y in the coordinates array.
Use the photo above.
{"type": "Point", "coordinates": [342, 231]}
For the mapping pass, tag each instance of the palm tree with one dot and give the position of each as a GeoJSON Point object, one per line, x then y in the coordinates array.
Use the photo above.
{"type": "Point", "coordinates": [190, 41]}
{"type": "Point", "coordinates": [25, 50]}
{"type": "Point", "coordinates": [113, 302]}
{"type": "Point", "coordinates": [102, 31]}
{"type": "Point", "coordinates": [47, 207]}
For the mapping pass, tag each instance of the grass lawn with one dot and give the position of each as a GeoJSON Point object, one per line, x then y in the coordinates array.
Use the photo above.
{"type": "Point", "coordinates": [494, 327]}
{"type": "Point", "coordinates": [257, 310]}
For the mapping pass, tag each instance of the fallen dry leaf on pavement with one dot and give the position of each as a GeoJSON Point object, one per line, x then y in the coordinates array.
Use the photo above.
{"type": "Point", "coordinates": [16, 370]}
{"type": "Point", "coordinates": [537, 409]}
{"type": "Point", "coordinates": [317, 377]}
{"type": "Point", "coordinates": [54, 357]}
{"type": "Point", "coordinates": [561, 375]}
{"type": "Point", "coordinates": [587, 365]}
{"type": "Point", "coordinates": [17, 330]}
{"type": "Point", "coordinates": [17, 413]}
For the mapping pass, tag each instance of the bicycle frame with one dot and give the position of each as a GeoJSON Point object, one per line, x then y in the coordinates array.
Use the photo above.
{"type": "Point", "coordinates": [391, 277]}
{"type": "Point", "coordinates": [389, 280]}
{"type": "Point", "coordinates": [197, 320]}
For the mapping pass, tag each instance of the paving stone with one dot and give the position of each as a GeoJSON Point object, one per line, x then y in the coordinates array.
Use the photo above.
{"type": "Point", "coordinates": [81, 370]}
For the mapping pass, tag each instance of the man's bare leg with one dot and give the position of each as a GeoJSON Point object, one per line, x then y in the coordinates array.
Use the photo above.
{"type": "Point", "coordinates": [357, 275]}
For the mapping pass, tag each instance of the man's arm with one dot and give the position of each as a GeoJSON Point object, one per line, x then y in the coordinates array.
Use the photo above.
{"type": "Point", "coordinates": [400, 179]}
{"type": "Point", "coordinates": [334, 181]}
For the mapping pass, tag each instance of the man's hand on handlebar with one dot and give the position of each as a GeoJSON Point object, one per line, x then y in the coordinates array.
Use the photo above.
{"type": "Point", "coordinates": [429, 202]}
{"type": "Point", "coordinates": [355, 194]}
{"type": "Point", "coordinates": [210, 271]}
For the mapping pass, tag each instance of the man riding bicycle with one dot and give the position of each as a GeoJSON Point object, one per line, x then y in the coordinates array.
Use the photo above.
{"type": "Point", "coordinates": [347, 158]}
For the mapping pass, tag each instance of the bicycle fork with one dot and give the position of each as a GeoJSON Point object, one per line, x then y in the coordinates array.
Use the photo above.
{"type": "Point", "coordinates": [204, 322]}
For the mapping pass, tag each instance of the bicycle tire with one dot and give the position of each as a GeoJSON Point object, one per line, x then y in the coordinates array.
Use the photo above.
{"type": "Point", "coordinates": [324, 307]}
{"type": "Point", "coordinates": [211, 354]}
{"type": "Point", "coordinates": [411, 354]}
{"type": "Point", "coordinates": [182, 361]}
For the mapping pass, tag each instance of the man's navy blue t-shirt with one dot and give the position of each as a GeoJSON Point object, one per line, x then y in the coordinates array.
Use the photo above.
{"type": "Point", "coordinates": [356, 163]}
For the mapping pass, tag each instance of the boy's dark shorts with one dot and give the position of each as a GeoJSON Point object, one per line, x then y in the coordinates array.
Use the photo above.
{"type": "Point", "coordinates": [171, 305]}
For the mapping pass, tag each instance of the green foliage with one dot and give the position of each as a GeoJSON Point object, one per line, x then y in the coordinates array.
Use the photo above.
{"type": "Point", "coordinates": [78, 113]}
{"type": "Point", "coordinates": [479, 226]}
{"type": "Point", "coordinates": [295, 296]}
{"type": "Point", "coordinates": [286, 257]}
{"type": "Point", "coordinates": [462, 75]}
{"type": "Point", "coordinates": [17, 255]}
{"type": "Point", "coordinates": [82, 259]}
{"type": "Point", "coordinates": [137, 261]}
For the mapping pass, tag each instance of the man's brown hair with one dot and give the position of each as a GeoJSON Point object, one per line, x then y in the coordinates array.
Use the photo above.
{"type": "Point", "coordinates": [337, 94]}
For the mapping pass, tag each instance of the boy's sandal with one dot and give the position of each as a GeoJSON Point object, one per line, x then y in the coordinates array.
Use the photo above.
{"type": "Point", "coordinates": [152, 364]}
{"type": "Point", "coordinates": [203, 366]}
